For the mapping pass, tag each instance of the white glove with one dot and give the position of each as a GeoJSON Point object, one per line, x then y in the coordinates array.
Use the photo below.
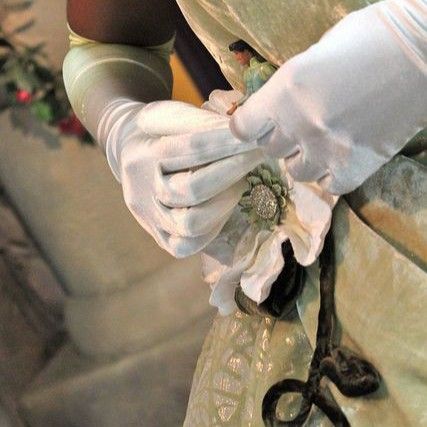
{"type": "Point", "coordinates": [343, 108]}
{"type": "Point", "coordinates": [153, 151]}
{"type": "Point", "coordinates": [153, 148]}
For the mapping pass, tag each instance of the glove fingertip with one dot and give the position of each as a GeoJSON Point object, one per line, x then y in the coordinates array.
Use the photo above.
{"type": "Point", "coordinates": [238, 127]}
{"type": "Point", "coordinates": [337, 186]}
{"type": "Point", "coordinates": [247, 126]}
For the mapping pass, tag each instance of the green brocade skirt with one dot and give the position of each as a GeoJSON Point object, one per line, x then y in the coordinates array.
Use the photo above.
{"type": "Point", "coordinates": [380, 234]}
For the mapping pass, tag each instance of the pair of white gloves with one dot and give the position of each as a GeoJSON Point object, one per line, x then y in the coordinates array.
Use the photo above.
{"type": "Point", "coordinates": [336, 113]}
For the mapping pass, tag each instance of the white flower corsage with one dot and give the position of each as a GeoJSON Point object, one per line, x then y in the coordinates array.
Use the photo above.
{"type": "Point", "coordinates": [248, 251]}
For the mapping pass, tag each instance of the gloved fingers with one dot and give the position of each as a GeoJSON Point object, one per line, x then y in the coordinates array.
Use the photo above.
{"type": "Point", "coordinates": [220, 101]}
{"type": "Point", "coordinates": [177, 246]}
{"type": "Point", "coordinates": [334, 186]}
{"type": "Point", "coordinates": [181, 152]}
{"type": "Point", "coordinates": [175, 118]}
{"type": "Point", "coordinates": [273, 144]}
{"type": "Point", "coordinates": [181, 247]}
{"type": "Point", "coordinates": [194, 187]}
{"type": "Point", "coordinates": [251, 120]}
{"type": "Point", "coordinates": [145, 218]}
{"type": "Point", "coordinates": [303, 169]}
{"type": "Point", "coordinates": [203, 218]}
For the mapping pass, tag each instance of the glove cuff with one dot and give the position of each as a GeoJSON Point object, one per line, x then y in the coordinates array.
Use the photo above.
{"type": "Point", "coordinates": [101, 79]}
{"type": "Point", "coordinates": [113, 128]}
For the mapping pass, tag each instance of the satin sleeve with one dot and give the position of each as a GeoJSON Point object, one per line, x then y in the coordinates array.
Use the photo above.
{"type": "Point", "coordinates": [101, 77]}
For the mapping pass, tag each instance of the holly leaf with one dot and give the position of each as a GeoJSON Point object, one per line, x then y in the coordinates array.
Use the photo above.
{"type": "Point", "coordinates": [25, 80]}
{"type": "Point", "coordinates": [23, 27]}
{"type": "Point", "coordinates": [11, 87]}
{"type": "Point", "coordinates": [5, 43]}
{"type": "Point", "coordinates": [18, 6]}
{"type": "Point", "coordinates": [4, 79]}
{"type": "Point", "coordinates": [42, 110]}
{"type": "Point", "coordinates": [4, 99]}
{"type": "Point", "coordinates": [59, 109]}
{"type": "Point", "coordinates": [3, 60]}
{"type": "Point", "coordinates": [36, 49]}
{"type": "Point", "coordinates": [11, 61]}
{"type": "Point", "coordinates": [87, 139]}
{"type": "Point", "coordinates": [43, 73]}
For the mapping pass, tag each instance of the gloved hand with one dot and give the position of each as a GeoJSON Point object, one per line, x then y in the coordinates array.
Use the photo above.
{"type": "Point", "coordinates": [154, 148]}
{"type": "Point", "coordinates": [344, 107]}
{"type": "Point", "coordinates": [181, 170]}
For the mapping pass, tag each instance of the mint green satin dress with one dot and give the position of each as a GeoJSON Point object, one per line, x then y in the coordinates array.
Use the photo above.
{"type": "Point", "coordinates": [380, 233]}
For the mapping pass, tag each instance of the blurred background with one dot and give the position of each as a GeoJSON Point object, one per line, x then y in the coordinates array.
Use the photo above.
{"type": "Point", "coordinates": [98, 326]}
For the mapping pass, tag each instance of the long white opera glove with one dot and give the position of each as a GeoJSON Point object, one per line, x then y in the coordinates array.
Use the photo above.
{"type": "Point", "coordinates": [344, 107]}
{"type": "Point", "coordinates": [180, 167]}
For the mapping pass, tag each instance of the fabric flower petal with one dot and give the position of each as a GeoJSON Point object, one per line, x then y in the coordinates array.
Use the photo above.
{"type": "Point", "coordinates": [222, 295]}
{"type": "Point", "coordinates": [310, 221]}
{"type": "Point", "coordinates": [256, 281]}
{"type": "Point", "coordinates": [243, 254]}
{"type": "Point", "coordinates": [219, 254]}
{"type": "Point", "coordinates": [220, 101]}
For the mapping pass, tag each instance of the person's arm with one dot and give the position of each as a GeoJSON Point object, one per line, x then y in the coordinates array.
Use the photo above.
{"type": "Point", "coordinates": [126, 64]}
{"type": "Point", "coordinates": [152, 147]}
{"type": "Point", "coordinates": [344, 107]}
{"type": "Point", "coordinates": [133, 22]}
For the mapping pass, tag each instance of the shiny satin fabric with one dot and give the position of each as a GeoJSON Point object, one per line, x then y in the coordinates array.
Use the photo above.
{"type": "Point", "coordinates": [381, 293]}
{"type": "Point", "coordinates": [380, 234]}
{"type": "Point", "coordinates": [277, 29]}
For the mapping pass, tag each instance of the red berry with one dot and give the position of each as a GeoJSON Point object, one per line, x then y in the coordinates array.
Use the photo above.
{"type": "Point", "coordinates": [63, 125]}
{"type": "Point", "coordinates": [72, 126]}
{"type": "Point", "coordinates": [23, 96]}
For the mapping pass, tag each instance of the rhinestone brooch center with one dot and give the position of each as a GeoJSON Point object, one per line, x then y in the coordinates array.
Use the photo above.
{"type": "Point", "coordinates": [264, 201]}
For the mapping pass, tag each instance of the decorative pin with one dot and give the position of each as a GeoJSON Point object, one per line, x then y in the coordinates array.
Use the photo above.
{"type": "Point", "coordinates": [266, 200]}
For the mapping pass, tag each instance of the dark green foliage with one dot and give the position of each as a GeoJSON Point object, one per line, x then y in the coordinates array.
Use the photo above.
{"type": "Point", "coordinates": [27, 80]}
